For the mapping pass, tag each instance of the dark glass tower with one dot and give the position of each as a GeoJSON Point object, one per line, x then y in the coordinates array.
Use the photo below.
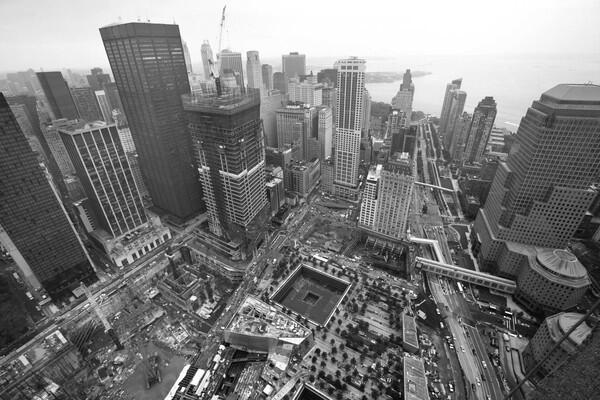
{"type": "Point", "coordinates": [34, 226]}
{"type": "Point", "coordinates": [148, 64]}
{"type": "Point", "coordinates": [481, 127]}
{"type": "Point", "coordinates": [229, 146]}
{"type": "Point", "coordinates": [58, 95]}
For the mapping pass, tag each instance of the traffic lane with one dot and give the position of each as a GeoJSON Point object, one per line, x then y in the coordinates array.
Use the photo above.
{"type": "Point", "coordinates": [491, 381]}
{"type": "Point", "coordinates": [468, 360]}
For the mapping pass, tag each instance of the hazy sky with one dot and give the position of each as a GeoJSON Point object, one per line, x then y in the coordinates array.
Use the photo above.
{"type": "Point", "coordinates": [53, 34]}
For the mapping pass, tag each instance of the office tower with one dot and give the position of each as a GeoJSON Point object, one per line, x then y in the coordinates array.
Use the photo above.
{"type": "Point", "coordinates": [102, 166]}
{"type": "Point", "coordinates": [349, 104]}
{"type": "Point", "coordinates": [295, 125]}
{"type": "Point", "coordinates": [87, 106]}
{"type": "Point", "coordinates": [386, 199]}
{"type": "Point", "coordinates": [457, 106]}
{"type": "Point", "coordinates": [454, 85]}
{"type": "Point", "coordinates": [24, 108]}
{"type": "Point", "coordinates": [232, 62]}
{"type": "Point", "coordinates": [459, 136]}
{"type": "Point", "coordinates": [21, 115]}
{"type": "Point", "coordinates": [112, 94]}
{"type": "Point", "coordinates": [541, 193]}
{"type": "Point", "coordinates": [34, 226]}
{"type": "Point", "coordinates": [229, 147]}
{"type": "Point", "coordinates": [366, 118]}
{"type": "Point", "coordinates": [496, 141]}
{"type": "Point", "coordinates": [550, 280]}
{"type": "Point", "coordinates": [57, 147]}
{"type": "Point", "coordinates": [207, 58]}
{"type": "Point", "coordinates": [328, 77]}
{"type": "Point", "coordinates": [254, 70]}
{"type": "Point", "coordinates": [293, 64]}
{"type": "Point", "coordinates": [267, 77]}
{"type": "Point", "coordinates": [278, 158]}
{"type": "Point", "coordinates": [308, 92]}
{"type": "Point", "coordinates": [302, 177]}
{"type": "Point", "coordinates": [97, 79]}
{"type": "Point", "coordinates": [269, 104]}
{"type": "Point", "coordinates": [404, 98]}
{"type": "Point", "coordinates": [325, 132]}
{"type": "Point", "coordinates": [187, 58]}
{"type": "Point", "coordinates": [279, 82]}
{"type": "Point", "coordinates": [105, 106]}
{"type": "Point", "coordinates": [548, 334]}
{"type": "Point", "coordinates": [154, 110]}
{"type": "Point", "coordinates": [57, 94]}
{"type": "Point", "coordinates": [481, 126]}
{"type": "Point", "coordinates": [329, 99]}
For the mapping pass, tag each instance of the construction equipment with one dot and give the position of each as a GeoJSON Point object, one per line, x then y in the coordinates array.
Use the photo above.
{"type": "Point", "coordinates": [153, 375]}
{"type": "Point", "coordinates": [107, 327]}
{"type": "Point", "coordinates": [215, 67]}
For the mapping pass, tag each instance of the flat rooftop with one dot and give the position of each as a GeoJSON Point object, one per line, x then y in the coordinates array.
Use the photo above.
{"type": "Point", "coordinates": [311, 293]}
{"type": "Point", "coordinates": [415, 381]}
{"type": "Point", "coordinates": [409, 330]}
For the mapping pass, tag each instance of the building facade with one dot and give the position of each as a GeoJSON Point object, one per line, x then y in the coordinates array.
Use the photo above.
{"type": "Point", "coordinates": [296, 125]}
{"type": "Point", "coordinates": [57, 94]}
{"type": "Point", "coordinates": [541, 193]}
{"type": "Point", "coordinates": [303, 176]}
{"type": "Point", "coordinates": [152, 103]}
{"type": "Point", "coordinates": [34, 226]}
{"type": "Point", "coordinates": [349, 106]}
{"type": "Point", "coordinates": [454, 85]}
{"type": "Point", "coordinates": [457, 106]}
{"type": "Point", "coordinates": [254, 70]}
{"type": "Point", "coordinates": [308, 92]}
{"type": "Point", "coordinates": [229, 146]}
{"type": "Point", "coordinates": [293, 64]}
{"type": "Point", "coordinates": [267, 77]}
{"type": "Point", "coordinates": [270, 102]}
{"type": "Point", "coordinates": [231, 61]}
{"type": "Point", "coordinates": [479, 132]}
{"type": "Point", "coordinates": [207, 58]}
{"type": "Point", "coordinates": [403, 100]}
{"type": "Point", "coordinates": [86, 104]}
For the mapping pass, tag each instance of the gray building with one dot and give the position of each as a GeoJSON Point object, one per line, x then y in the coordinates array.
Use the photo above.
{"type": "Point", "coordinates": [267, 77]}
{"type": "Point", "coordinates": [57, 94]}
{"type": "Point", "coordinates": [480, 129]}
{"type": "Point", "coordinates": [87, 106]}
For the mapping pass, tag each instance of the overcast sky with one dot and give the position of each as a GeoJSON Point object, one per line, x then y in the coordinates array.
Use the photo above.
{"type": "Point", "coordinates": [53, 34]}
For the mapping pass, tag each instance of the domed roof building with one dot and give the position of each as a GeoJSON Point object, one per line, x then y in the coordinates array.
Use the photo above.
{"type": "Point", "coordinates": [551, 280]}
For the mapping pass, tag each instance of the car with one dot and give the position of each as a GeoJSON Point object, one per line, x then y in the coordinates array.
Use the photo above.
{"type": "Point", "coordinates": [462, 349]}
{"type": "Point", "coordinates": [478, 381]}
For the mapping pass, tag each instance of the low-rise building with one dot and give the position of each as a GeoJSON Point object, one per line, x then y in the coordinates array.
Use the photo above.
{"type": "Point", "coordinates": [302, 177]}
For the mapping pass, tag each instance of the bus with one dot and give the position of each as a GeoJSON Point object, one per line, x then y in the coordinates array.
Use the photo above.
{"type": "Point", "coordinates": [460, 288]}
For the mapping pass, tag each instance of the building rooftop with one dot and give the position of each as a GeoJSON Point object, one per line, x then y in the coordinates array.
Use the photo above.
{"type": "Point", "coordinates": [409, 331]}
{"type": "Point", "coordinates": [560, 324]}
{"type": "Point", "coordinates": [83, 126]}
{"type": "Point", "coordinates": [561, 262]}
{"type": "Point", "coordinates": [569, 92]}
{"type": "Point", "coordinates": [415, 381]}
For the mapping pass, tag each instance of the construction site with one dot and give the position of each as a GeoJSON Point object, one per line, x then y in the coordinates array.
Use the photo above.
{"type": "Point", "coordinates": [129, 342]}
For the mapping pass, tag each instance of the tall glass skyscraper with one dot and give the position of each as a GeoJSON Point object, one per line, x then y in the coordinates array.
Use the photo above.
{"type": "Point", "coordinates": [541, 193]}
{"type": "Point", "coordinates": [34, 226]}
{"type": "Point", "coordinates": [148, 64]}
{"type": "Point", "coordinates": [479, 132]}
{"type": "Point", "coordinates": [58, 95]}
{"type": "Point", "coordinates": [349, 104]}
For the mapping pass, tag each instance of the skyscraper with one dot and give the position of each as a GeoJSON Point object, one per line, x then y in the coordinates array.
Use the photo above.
{"type": "Point", "coordinates": [454, 85]}
{"type": "Point", "coordinates": [404, 98]}
{"type": "Point", "coordinates": [229, 147]}
{"type": "Point", "coordinates": [97, 79]}
{"type": "Point", "coordinates": [479, 132]}
{"type": "Point", "coordinates": [269, 104]}
{"type": "Point", "coordinates": [34, 226]}
{"type": "Point", "coordinates": [254, 70]}
{"type": "Point", "coordinates": [541, 193]}
{"type": "Point", "coordinates": [459, 136]}
{"type": "Point", "coordinates": [154, 110]}
{"type": "Point", "coordinates": [207, 58]}
{"type": "Point", "coordinates": [325, 132]}
{"type": "Point", "coordinates": [457, 106]}
{"type": "Point", "coordinates": [296, 123]}
{"type": "Point", "coordinates": [267, 77]}
{"type": "Point", "coordinates": [102, 166]}
{"type": "Point", "coordinates": [308, 91]}
{"type": "Point", "coordinates": [386, 201]}
{"type": "Point", "coordinates": [350, 91]}
{"type": "Point", "coordinates": [105, 106]}
{"type": "Point", "coordinates": [58, 95]}
{"type": "Point", "coordinates": [188, 59]}
{"type": "Point", "coordinates": [279, 82]}
{"type": "Point", "coordinates": [366, 117]}
{"type": "Point", "coordinates": [293, 64]}
{"type": "Point", "coordinates": [87, 106]}
{"type": "Point", "coordinates": [231, 61]}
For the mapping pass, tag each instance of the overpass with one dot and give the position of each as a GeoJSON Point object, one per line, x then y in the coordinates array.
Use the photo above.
{"type": "Point", "coordinates": [459, 273]}
{"type": "Point", "coordinates": [434, 186]}
{"type": "Point", "coordinates": [467, 275]}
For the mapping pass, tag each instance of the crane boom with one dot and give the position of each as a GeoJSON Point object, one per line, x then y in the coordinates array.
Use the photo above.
{"type": "Point", "coordinates": [215, 67]}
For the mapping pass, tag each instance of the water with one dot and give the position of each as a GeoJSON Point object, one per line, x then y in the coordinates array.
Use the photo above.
{"type": "Point", "coordinates": [513, 81]}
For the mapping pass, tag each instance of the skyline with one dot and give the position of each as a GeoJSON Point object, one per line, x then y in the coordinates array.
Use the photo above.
{"type": "Point", "coordinates": [55, 36]}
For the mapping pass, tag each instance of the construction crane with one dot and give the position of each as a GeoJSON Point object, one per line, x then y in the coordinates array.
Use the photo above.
{"type": "Point", "coordinates": [215, 67]}
{"type": "Point", "coordinates": [107, 327]}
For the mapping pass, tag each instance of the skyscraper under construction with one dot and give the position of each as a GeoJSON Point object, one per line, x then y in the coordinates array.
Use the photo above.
{"type": "Point", "coordinates": [229, 148]}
